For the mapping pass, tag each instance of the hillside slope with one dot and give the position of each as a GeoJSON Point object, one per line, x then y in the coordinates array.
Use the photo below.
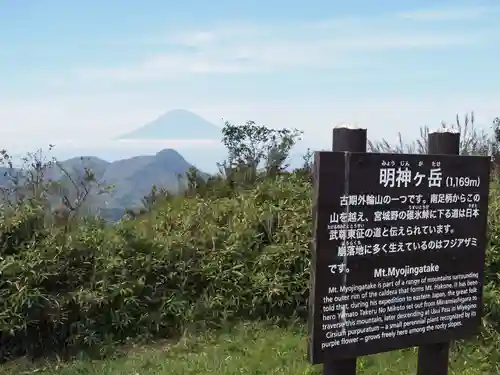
{"type": "Point", "coordinates": [133, 178]}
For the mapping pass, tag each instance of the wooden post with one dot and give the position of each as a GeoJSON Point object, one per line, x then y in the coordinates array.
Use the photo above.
{"type": "Point", "coordinates": [433, 358]}
{"type": "Point", "coordinates": [345, 138]}
{"type": "Point", "coordinates": [349, 138]}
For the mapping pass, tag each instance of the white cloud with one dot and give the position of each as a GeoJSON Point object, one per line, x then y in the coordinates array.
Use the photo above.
{"type": "Point", "coordinates": [80, 117]}
{"type": "Point", "coordinates": [194, 39]}
{"type": "Point", "coordinates": [235, 57]}
{"type": "Point", "coordinates": [164, 66]}
{"type": "Point", "coordinates": [332, 44]}
{"type": "Point", "coordinates": [447, 14]}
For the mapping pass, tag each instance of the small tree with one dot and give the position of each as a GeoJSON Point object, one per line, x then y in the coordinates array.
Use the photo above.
{"type": "Point", "coordinates": [156, 195]}
{"type": "Point", "coordinates": [306, 170]}
{"type": "Point", "coordinates": [43, 181]}
{"type": "Point", "coordinates": [257, 145]}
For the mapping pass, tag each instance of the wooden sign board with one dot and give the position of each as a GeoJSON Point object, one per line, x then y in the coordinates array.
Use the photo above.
{"type": "Point", "coordinates": [398, 251]}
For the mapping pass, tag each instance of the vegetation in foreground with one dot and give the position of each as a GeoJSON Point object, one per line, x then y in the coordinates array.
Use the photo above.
{"type": "Point", "coordinates": [254, 348]}
{"type": "Point", "coordinates": [232, 248]}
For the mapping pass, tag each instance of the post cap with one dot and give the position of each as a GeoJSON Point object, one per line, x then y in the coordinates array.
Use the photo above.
{"type": "Point", "coordinates": [443, 129]}
{"type": "Point", "coordinates": [346, 125]}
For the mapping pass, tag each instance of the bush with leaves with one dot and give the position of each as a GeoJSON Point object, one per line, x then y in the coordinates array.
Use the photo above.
{"type": "Point", "coordinates": [190, 260]}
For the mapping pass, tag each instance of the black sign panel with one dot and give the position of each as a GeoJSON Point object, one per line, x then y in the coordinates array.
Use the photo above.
{"type": "Point", "coordinates": [398, 251]}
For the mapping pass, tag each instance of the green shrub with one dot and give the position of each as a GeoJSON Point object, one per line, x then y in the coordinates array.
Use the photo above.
{"type": "Point", "coordinates": [190, 260]}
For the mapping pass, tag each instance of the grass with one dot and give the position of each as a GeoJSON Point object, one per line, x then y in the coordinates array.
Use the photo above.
{"type": "Point", "coordinates": [249, 349]}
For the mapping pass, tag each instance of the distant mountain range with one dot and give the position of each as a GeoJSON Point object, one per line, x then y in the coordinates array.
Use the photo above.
{"type": "Point", "coordinates": [178, 124]}
{"type": "Point", "coordinates": [132, 179]}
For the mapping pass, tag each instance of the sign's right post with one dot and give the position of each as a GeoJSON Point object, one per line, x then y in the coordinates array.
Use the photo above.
{"type": "Point", "coordinates": [433, 358]}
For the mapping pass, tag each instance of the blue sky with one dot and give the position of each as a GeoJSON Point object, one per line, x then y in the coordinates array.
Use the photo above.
{"type": "Point", "coordinates": [87, 71]}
